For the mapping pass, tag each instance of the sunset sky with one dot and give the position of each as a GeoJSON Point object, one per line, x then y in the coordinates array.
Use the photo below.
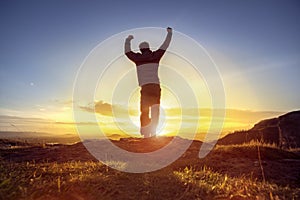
{"type": "Point", "coordinates": [255, 44]}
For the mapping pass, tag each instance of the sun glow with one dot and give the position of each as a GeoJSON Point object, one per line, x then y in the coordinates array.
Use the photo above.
{"type": "Point", "coordinates": [168, 102]}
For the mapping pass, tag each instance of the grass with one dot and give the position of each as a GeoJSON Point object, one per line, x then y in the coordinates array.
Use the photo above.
{"type": "Point", "coordinates": [252, 143]}
{"type": "Point", "coordinates": [258, 143]}
{"type": "Point", "coordinates": [32, 180]}
{"type": "Point", "coordinates": [212, 185]}
{"type": "Point", "coordinates": [257, 150]}
{"type": "Point", "coordinates": [93, 180]}
{"type": "Point", "coordinates": [227, 172]}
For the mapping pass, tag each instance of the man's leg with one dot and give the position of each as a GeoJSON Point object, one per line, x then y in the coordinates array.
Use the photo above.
{"type": "Point", "coordinates": [145, 123]}
{"type": "Point", "coordinates": [144, 117]}
{"type": "Point", "coordinates": [155, 104]}
{"type": "Point", "coordinates": [154, 118]}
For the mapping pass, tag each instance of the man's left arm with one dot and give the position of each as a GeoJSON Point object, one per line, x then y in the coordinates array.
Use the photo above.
{"type": "Point", "coordinates": [162, 49]}
{"type": "Point", "coordinates": [167, 41]}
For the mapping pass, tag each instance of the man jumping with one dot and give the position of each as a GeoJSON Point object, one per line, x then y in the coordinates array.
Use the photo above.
{"type": "Point", "coordinates": [147, 63]}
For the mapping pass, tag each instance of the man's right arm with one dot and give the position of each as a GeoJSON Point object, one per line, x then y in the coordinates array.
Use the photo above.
{"type": "Point", "coordinates": [127, 48]}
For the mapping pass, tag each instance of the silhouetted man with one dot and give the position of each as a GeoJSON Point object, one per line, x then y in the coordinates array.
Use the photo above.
{"type": "Point", "coordinates": [147, 63]}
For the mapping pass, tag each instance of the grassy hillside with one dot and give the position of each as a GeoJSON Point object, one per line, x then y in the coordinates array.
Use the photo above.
{"type": "Point", "coordinates": [228, 172]}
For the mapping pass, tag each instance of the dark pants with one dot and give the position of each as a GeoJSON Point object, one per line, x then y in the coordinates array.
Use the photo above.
{"type": "Point", "coordinates": [150, 100]}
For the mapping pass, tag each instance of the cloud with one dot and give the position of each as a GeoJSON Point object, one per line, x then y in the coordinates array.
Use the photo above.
{"type": "Point", "coordinates": [231, 115]}
{"type": "Point", "coordinates": [99, 107]}
{"type": "Point", "coordinates": [12, 119]}
{"type": "Point", "coordinates": [63, 102]}
{"type": "Point", "coordinates": [78, 123]}
{"type": "Point", "coordinates": [108, 109]}
{"type": "Point", "coordinates": [7, 119]}
{"type": "Point", "coordinates": [104, 108]}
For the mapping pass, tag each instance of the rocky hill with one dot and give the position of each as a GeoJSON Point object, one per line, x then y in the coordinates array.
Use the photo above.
{"type": "Point", "coordinates": [283, 131]}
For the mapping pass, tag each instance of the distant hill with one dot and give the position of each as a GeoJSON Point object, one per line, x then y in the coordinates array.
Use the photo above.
{"type": "Point", "coordinates": [283, 131]}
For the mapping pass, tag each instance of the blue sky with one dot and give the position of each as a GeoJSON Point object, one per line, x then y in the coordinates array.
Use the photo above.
{"type": "Point", "coordinates": [256, 44]}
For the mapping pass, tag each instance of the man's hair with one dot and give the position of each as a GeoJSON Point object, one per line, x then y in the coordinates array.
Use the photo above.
{"type": "Point", "coordinates": [144, 45]}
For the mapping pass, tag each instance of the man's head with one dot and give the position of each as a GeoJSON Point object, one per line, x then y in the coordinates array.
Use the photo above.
{"type": "Point", "coordinates": [144, 46]}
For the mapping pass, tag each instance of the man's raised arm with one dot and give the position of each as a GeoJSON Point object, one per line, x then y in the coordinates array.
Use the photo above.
{"type": "Point", "coordinates": [127, 48]}
{"type": "Point", "coordinates": [167, 41]}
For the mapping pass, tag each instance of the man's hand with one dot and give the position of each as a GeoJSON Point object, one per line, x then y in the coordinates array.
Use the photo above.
{"type": "Point", "coordinates": [130, 37]}
{"type": "Point", "coordinates": [169, 29]}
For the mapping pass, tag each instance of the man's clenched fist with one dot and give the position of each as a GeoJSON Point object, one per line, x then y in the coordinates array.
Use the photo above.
{"type": "Point", "coordinates": [130, 37]}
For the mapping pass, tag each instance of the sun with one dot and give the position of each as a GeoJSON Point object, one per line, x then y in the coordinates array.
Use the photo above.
{"type": "Point", "coordinates": [170, 111]}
